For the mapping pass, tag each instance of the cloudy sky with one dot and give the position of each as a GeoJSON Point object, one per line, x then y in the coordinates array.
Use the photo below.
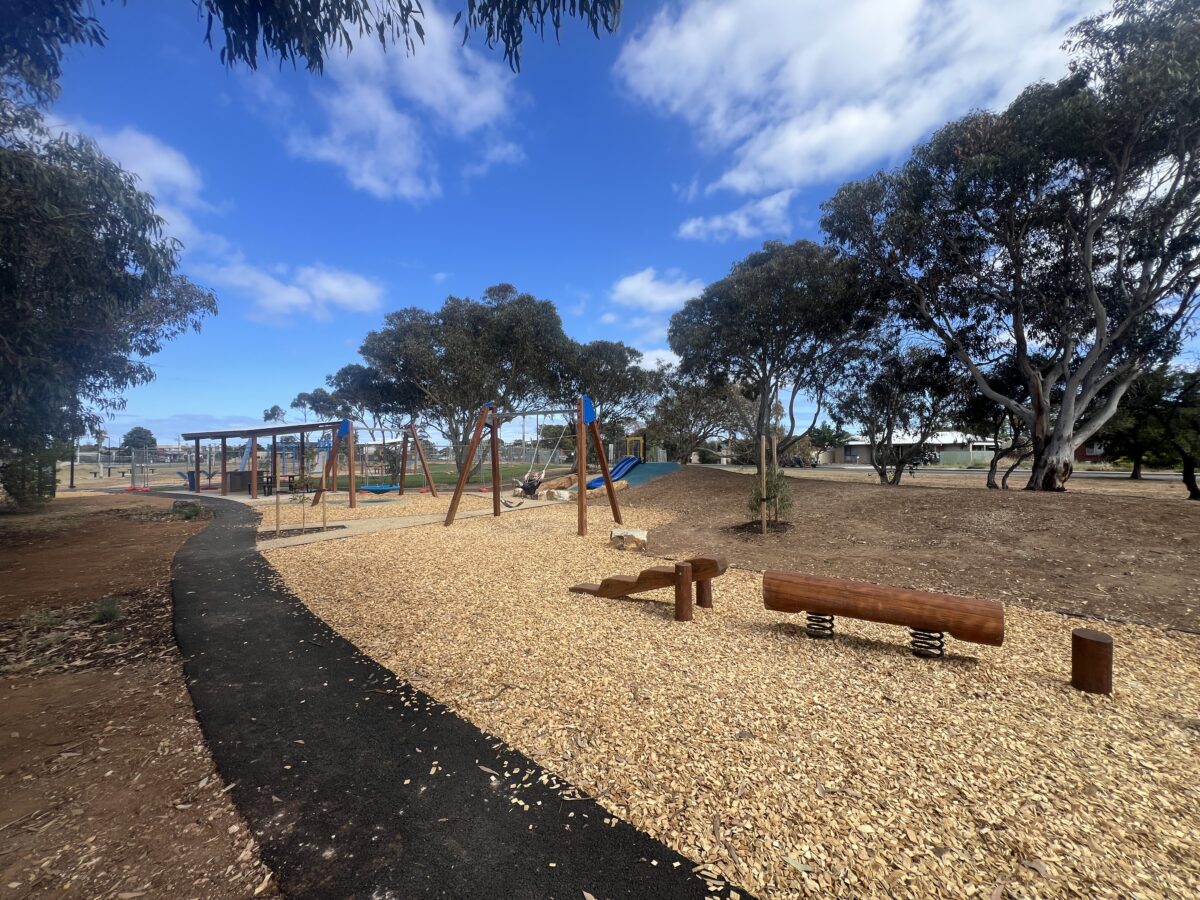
{"type": "Point", "coordinates": [616, 177]}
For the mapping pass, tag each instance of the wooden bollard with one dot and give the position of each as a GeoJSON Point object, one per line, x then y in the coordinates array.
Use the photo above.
{"type": "Point", "coordinates": [1091, 661]}
{"type": "Point", "coordinates": [683, 592]}
{"type": "Point", "coordinates": [704, 593]}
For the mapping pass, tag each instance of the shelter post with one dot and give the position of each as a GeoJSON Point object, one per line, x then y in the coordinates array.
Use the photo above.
{"type": "Point", "coordinates": [224, 469]}
{"type": "Point", "coordinates": [197, 466]}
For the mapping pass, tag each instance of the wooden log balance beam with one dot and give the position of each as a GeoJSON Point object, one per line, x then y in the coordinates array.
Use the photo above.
{"type": "Point", "coordinates": [929, 616]}
{"type": "Point", "coordinates": [681, 576]}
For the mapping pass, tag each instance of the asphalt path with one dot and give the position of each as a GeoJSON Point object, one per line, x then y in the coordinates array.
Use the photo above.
{"type": "Point", "coordinates": [358, 785]}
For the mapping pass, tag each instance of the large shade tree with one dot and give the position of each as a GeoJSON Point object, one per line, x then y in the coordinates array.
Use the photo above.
{"type": "Point", "coordinates": [508, 348]}
{"type": "Point", "coordinates": [1064, 229]}
{"type": "Point", "coordinates": [780, 324]}
{"type": "Point", "coordinates": [690, 412]}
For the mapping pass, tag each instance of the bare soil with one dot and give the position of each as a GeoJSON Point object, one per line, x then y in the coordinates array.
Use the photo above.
{"type": "Point", "coordinates": [1096, 552]}
{"type": "Point", "coordinates": [108, 788]}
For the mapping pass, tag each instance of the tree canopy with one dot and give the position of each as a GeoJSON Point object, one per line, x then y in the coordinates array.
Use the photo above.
{"type": "Point", "coordinates": [782, 322]}
{"type": "Point", "coordinates": [508, 347]}
{"type": "Point", "coordinates": [138, 438]}
{"type": "Point", "coordinates": [34, 33]}
{"type": "Point", "coordinates": [1062, 229]}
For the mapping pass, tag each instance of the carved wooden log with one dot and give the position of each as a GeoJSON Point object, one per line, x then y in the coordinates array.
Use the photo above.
{"type": "Point", "coordinates": [703, 568]}
{"type": "Point", "coordinates": [968, 619]}
{"type": "Point", "coordinates": [1091, 661]}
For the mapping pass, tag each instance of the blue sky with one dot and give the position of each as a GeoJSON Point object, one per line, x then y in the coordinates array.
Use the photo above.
{"type": "Point", "coordinates": [615, 177]}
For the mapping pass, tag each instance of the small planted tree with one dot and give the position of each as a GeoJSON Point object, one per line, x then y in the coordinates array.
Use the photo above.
{"type": "Point", "coordinates": [778, 495]}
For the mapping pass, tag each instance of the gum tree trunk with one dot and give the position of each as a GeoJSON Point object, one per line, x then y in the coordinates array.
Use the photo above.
{"type": "Point", "coordinates": [1189, 476]}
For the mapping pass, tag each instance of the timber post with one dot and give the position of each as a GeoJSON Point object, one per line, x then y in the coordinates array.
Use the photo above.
{"type": "Point", "coordinates": [594, 429]}
{"type": "Point", "coordinates": [1091, 661]}
{"type": "Point", "coordinates": [403, 461]}
{"type": "Point", "coordinates": [683, 592]}
{"type": "Point", "coordinates": [197, 467]}
{"type": "Point", "coordinates": [254, 467]}
{"type": "Point", "coordinates": [494, 452]}
{"type": "Point", "coordinates": [224, 470]}
{"type": "Point", "coordinates": [421, 456]}
{"type": "Point", "coordinates": [580, 470]}
{"type": "Point", "coordinates": [762, 484]}
{"type": "Point", "coordinates": [469, 461]}
{"type": "Point", "coordinates": [350, 466]}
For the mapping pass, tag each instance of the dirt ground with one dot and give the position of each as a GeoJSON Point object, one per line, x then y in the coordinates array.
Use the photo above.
{"type": "Point", "coordinates": [107, 786]}
{"type": "Point", "coordinates": [1095, 551]}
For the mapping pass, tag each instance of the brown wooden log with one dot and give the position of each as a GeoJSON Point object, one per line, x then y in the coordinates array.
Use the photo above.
{"type": "Point", "coordinates": [965, 618]}
{"type": "Point", "coordinates": [683, 592]}
{"type": "Point", "coordinates": [704, 594]}
{"type": "Point", "coordinates": [703, 568]}
{"type": "Point", "coordinates": [1091, 661]}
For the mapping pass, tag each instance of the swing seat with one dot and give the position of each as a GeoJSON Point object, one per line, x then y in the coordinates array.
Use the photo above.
{"type": "Point", "coordinates": [379, 488]}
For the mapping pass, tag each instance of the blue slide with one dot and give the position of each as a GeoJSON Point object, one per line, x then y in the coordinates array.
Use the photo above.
{"type": "Point", "coordinates": [618, 471]}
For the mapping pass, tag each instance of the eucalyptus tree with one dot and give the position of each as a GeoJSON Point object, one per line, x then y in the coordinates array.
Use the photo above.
{"type": "Point", "coordinates": [297, 32]}
{"type": "Point", "coordinates": [1063, 229]}
{"type": "Point", "coordinates": [782, 323]}
{"type": "Point", "coordinates": [690, 412]}
{"type": "Point", "coordinates": [900, 397]}
{"type": "Point", "coordinates": [1138, 432]}
{"type": "Point", "coordinates": [508, 348]}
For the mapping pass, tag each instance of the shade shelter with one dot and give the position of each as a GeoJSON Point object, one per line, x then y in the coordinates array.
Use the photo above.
{"type": "Point", "coordinates": [339, 427]}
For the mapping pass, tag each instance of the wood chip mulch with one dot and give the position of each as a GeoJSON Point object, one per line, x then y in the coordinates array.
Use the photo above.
{"type": "Point", "coordinates": [792, 767]}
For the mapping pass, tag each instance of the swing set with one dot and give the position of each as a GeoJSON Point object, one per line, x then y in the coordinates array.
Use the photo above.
{"type": "Point", "coordinates": [410, 431]}
{"type": "Point", "coordinates": [586, 425]}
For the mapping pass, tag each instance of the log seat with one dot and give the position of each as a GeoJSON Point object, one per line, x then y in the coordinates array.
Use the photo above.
{"type": "Point", "coordinates": [929, 616]}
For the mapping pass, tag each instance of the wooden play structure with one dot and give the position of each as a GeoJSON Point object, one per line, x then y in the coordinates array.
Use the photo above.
{"type": "Point", "coordinates": [586, 426]}
{"type": "Point", "coordinates": [927, 615]}
{"type": "Point", "coordinates": [409, 433]}
{"type": "Point", "coordinates": [700, 571]}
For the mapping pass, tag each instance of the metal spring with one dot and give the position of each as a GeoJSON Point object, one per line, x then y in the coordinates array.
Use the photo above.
{"type": "Point", "coordinates": [928, 644]}
{"type": "Point", "coordinates": [820, 627]}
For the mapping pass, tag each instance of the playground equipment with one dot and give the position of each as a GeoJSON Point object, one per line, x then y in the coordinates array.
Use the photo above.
{"type": "Point", "coordinates": [586, 425]}
{"type": "Point", "coordinates": [927, 615]}
{"type": "Point", "coordinates": [620, 470]}
{"type": "Point", "coordinates": [411, 431]}
{"type": "Point", "coordinates": [700, 570]}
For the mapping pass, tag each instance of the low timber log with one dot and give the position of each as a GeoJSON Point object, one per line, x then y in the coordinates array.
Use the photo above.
{"type": "Point", "coordinates": [965, 618]}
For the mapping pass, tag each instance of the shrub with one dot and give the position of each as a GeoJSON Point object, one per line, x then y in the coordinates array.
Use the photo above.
{"type": "Point", "coordinates": [779, 495]}
{"type": "Point", "coordinates": [107, 609]}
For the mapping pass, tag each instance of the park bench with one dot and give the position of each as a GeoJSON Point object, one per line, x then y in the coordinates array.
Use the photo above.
{"type": "Point", "coordinates": [701, 571]}
{"type": "Point", "coordinates": [927, 615]}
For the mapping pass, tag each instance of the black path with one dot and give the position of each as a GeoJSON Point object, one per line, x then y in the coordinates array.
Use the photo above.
{"type": "Point", "coordinates": [358, 785]}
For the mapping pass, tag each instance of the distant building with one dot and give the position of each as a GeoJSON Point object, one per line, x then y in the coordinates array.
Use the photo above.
{"type": "Point", "coordinates": [953, 446]}
{"type": "Point", "coordinates": [1091, 452]}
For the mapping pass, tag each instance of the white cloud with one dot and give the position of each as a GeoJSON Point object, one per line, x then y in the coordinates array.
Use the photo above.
{"type": "Point", "coordinates": [609, 319]}
{"type": "Point", "coordinates": [645, 290]}
{"type": "Point", "coordinates": [805, 91]}
{"type": "Point", "coordinates": [753, 219]}
{"type": "Point", "coordinates": [276, 290]}
{"type": "Point", "coordinates": [439, 277]}
{"type": "Point", "coordinates": [310, 290]}
{"type": "Point", "coordinates": [382, 111]}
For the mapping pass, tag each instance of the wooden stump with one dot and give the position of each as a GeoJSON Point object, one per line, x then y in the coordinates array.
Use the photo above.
{"type": "Point", "coordinates": [1091, 661]}
{"type": "Point", "coordinates": [704, 594]}
{"type": "Point", "coordinates": [683, 592]}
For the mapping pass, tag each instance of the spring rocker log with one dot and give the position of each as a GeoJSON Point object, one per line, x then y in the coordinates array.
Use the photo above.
{"type": "Point", "coordinates": [699, 571]}
{"type": "Point", "coordinates": [927, 615]}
